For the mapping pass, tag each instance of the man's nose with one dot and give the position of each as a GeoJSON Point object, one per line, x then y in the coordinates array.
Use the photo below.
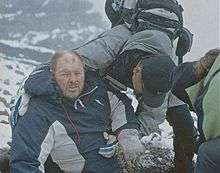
{"type": "Point", "coordinates": [72, 78]}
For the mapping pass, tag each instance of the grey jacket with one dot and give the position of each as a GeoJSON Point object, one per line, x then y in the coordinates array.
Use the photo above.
{"type": "Point", "coordinates": [102, 51]}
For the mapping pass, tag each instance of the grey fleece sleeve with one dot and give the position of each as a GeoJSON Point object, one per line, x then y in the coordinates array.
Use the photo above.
{"type": "Point", "coordinates": [122, 112]}
{"type": "Point", "coordinates": [100, 52]}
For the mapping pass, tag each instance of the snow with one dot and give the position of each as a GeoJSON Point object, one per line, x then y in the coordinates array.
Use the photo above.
{"type": "Point", "coordinates": [45, 3]}
{"type": "Point", "coordinates": [33, 37]}
{"type": "Point", "coordinates": [5, 135]}
{"type": "Point", "coordinates": [19, 44]}
{"type": "Point", "coordinates": [15, 35]}
{"type": "Point", "coordinates": [39, 15]}
{"type": "Point", "coordinates": [10, 16]}
{"type": "Point", "coordinates": [12, 73]}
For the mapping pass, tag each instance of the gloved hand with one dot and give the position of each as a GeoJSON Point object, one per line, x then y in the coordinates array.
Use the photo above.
{"type": "Point", "coordinates": [203, 66]}
{"type": "Point", "coordinates": [147, 125]}
{"type": "Point", "coordinates": [131, 145]}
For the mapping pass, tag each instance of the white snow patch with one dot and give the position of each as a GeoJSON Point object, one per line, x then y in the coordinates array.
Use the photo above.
{"type": "Point", "coordinates": [10, 69]}
{"type": "Point", "coordinates": [39, 15]}
{"type": "Point", "coordinates": [75, 36]}
{"type": "Point", "coordinates": [8, 5]}
{"type": "Point", "coordinates": [15, 35]}
{"type": "Point", "coordinates": [99, 6]}
{"type": "Point", "coordinates": [19, 60]}
{"type": "Point", "coordinates": [73, 23]}
{"type": "Point", "coordinates": [18, 44]}
{"type": "Point", "coordinates": [45, 3]}
{"type": "Point", "coordinates": [165, 140]}
{"type": "Point", "coordinates": [5, 135]}
{"type": "Point", "coordinates": [55, 33]}
{"type": "Point", "coordinates": [92, 32]}
{"type": "Point", "coordinates": [33, 37]}
{"type": "Point", "coordinates": [13, 72]}
{"type": "Point", "coordinates": [21, 55]}
{"type": "Point", "coordinates": [10, 16]}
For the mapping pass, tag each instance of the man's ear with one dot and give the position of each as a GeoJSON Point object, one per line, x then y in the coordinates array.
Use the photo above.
{"type": "Point", "coordinates": [136, 69]}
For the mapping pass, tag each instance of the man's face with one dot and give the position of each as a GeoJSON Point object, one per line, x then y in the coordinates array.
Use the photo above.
{"type": "Point", "coordinates": [70, 76]}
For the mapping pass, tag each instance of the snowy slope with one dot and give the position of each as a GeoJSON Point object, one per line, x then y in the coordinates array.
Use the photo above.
{"type": "Point", "coordinates": [12, 73]}
{"type": "Point", "coordinates": [34, 29]}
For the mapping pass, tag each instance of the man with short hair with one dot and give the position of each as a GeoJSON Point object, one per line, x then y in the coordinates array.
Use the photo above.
{"type": "Point", "coordinates": [151, 78]}
{"type": "Point", "coordinates": [69, 125]}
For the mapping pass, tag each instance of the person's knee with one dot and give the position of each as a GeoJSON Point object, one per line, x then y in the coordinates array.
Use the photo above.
{"type": "Point", "coordinates": [203, 152]}
{"type": "Point", "coordinates": [206, 152]}
{"type": "Point", "coordinates": [208, 158]}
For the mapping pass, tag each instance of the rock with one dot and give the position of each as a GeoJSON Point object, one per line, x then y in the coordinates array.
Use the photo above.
{"type": "Point", "coordinates": [19, 72]}
{"type": "Point", "coordinates": [17, 66]}
{"type": "Point", "coordinates": [4, 101]}
{"type": "Point", "coordinates": [9, 66]}
{"type": "Point", "coordinates": [6, 92]}
{"type": "Point", "coordinates": [4, 113]}
{"type": "Point", "coordinates": [154, 160]}
{"type": "Point", "coordinates": [4, 160]}
{"type": "Point", "coordinates": [6, 82]}
{"type": "Point", "coordinates": [4, 122]}
{"type": "Point", "coordinates": [18, 83]}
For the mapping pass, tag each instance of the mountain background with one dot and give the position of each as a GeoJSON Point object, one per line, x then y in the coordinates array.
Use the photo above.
{"type": "Point", "coordinates": [30, 32]}
{"type": "Point", "coordinates": [34, 29]}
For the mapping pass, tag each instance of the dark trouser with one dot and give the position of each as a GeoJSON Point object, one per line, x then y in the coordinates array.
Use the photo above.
{"type": "Point", "coordinates": [95, 163]}
{"type": "Point", "coordinates": [208, 160]}
{"type": "Point", "coordinates": [180, 119]}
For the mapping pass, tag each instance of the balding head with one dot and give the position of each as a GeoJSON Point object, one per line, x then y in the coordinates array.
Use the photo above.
{"type": "Point", "coordinates": [68, 70]}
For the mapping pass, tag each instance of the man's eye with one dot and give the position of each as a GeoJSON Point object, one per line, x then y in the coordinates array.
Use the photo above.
{"type": "Point", "coordinates": [78, 73]}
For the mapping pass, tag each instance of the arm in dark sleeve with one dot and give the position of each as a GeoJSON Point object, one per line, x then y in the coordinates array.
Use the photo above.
{"type": "Point", "coordinates": [183, 77]}
{"type": "Point", "coordinates": [41, 82]}
{"type": "Point", "coordinates": [30, 147]}
{"type": "Point", "coordinates": [183, 126]}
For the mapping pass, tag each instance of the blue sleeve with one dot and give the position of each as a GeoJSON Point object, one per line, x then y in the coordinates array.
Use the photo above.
{"type": "Point", "coordinates": [184, 77]}
{"type": "Point", "coordinates": [27, 139]}
{"type": "Point", "coordinates": [41, 82]}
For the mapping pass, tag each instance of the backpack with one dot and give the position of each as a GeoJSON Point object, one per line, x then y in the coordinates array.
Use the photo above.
{"type": "Point", "coordinates": [162, 15]}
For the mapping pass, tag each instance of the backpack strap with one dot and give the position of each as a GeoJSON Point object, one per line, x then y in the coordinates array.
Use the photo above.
{"type": "Point", "coordinates": [115, 84]}
{"type": "Point", "coordinates": [169, 5]}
